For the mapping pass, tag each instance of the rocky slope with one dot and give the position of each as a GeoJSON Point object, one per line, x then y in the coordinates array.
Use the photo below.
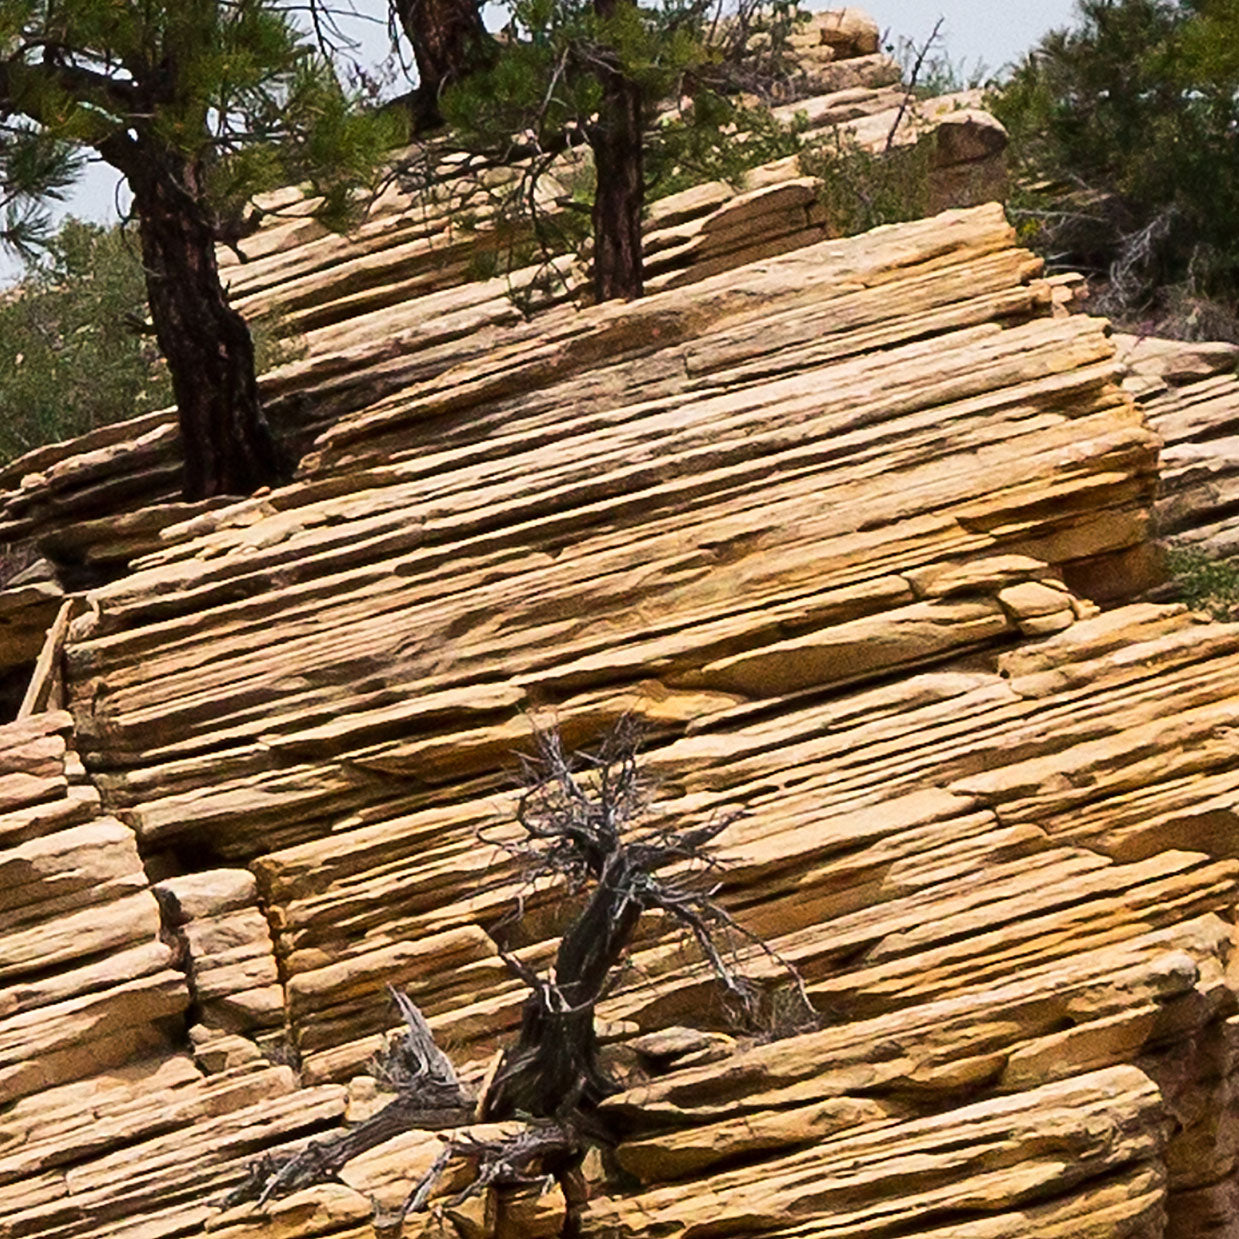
{"type": "Point", "coordinates": [1190, 394]}
{"type": "Point", "coordinates": [398, 302]}
{"type": "Point", "coordinates": [830, 524]}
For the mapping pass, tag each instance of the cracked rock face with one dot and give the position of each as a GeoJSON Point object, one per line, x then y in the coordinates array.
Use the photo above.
{"type": "Point", "coordinates": [831, 520]}
{"type": "Point", "coordinates": [826, 525]}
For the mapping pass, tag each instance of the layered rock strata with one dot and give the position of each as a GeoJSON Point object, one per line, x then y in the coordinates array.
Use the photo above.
{"type": "Point", "coordinates": [107, 1124]}
{"type": "Point", "coordinates": [1190, 393]}
{"type": "Point", "coordinates": [827, 525]}
{"type": "Point", "coordinates": [403, 299]}
{"type": "Point", "coordinates": [828, 518]}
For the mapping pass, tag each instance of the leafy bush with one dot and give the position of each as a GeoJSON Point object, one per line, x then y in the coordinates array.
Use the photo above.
{"type": "Point", "coordinates": [75, 350]}
{"type": "Point", "coordinates": [863, 189]}
{"type": "Point", "coordinates": [1123, 140]}
{"type": "Point", "coordinates": [71, 353]}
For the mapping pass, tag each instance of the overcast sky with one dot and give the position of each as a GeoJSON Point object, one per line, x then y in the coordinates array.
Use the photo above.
{"type": "Point", "coordinates": [994, 32]}
{"type": "Point", "coordinates": [989, 32]}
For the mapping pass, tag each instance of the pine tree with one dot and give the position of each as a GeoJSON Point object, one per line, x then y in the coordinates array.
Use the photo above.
{"type": "Point", "coordinates": [597, 72]}
{"type": "Point", "coordinates": [200, 104]}
{"type": "Point", "coordinates": [1123, 132]}
{"type": "Point", "coordinates": [449, 43]}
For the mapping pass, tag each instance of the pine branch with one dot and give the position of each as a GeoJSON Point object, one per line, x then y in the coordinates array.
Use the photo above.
{"type": "Point", "coordinates": [122, 99]}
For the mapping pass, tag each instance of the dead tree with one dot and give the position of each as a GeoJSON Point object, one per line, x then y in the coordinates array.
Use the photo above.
{"type": "Point", "coordinates": [540, 1154]}
{"type": "Point", "coordinates": [582, 819]}
{"type": "Point", "coordinates": [428, 1097]}
{"type": "Point", "coordinates": [582, 816]}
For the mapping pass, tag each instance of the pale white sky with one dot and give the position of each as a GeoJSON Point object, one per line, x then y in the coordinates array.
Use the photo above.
{"type": "Point", "coordinates": [992, 32]}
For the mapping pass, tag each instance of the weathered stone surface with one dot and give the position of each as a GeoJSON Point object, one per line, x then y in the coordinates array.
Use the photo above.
{"type": "Point", "coordinates": [982, 847]}
{"type": "Point", "coordinates": [210, 893]}
{"type": "Point", "coordinates": [26, 610]}
{"type": "Point", "coordinates": [398, 302]}
{"type": "Point", "coordinates": [827, 517]}
{"type": "Point", "coordinates": [1191, 394]}
{"type": "Point", "coordinates": [85, 982]}
{"type": "Point", "coordinates": [226, 945]}
{"type": "Point", "coordinates": [1029, 1145]}
{"type": "Point", "coordinates": [848, 32]}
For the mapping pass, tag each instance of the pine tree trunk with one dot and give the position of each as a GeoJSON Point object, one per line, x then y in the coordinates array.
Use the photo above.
{"type": "Point", "coordinates": [449, 42]}
{"type": "Point", "coordinates": [616, 141]}
{"type": "Point", "coordinates": [228, 446]}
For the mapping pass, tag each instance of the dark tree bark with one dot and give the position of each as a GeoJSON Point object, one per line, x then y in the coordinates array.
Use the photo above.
{"type": "Point", "coordinates": [553, 1070]}
{"type": "Point", "coordinates": [449, 42]}
{"type": "Point", "coordinates": [616, 141]}
{"type": "Point", "coordinates": [228, 446]}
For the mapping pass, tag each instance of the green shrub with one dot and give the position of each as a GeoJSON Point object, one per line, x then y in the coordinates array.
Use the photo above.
{"type": "Point", "coordinates": [863, 189]}
{"type": "Point", "coordinates": [1204, 582]}
{"type": "Point", "coordinates": [75, 348]}
{"type": "Point", "coordinates": [716, 138]}
{"type": "Point", "coordinates": [1123, 146]}
{"type": "Point", "coordinates": [71, 352]}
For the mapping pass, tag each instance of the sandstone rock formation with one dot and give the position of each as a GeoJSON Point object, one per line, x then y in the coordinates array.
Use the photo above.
{"type": "Point", "coordinates": [828, 522]}
{"type": "Point", "coordinates": [398, 301]}
{"type": "Point", "coordinates": [1190, 392]}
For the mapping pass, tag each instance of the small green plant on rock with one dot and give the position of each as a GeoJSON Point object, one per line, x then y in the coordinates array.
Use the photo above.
{"type": "Point", "coordinates": [862, 188]}
{"type": "Point", "coordinates": [1205, 582]}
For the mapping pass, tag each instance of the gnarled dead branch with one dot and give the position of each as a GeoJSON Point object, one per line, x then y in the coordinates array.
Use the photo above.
{"type": "Point", "coordinates": [584, 820]}
{"type": "Point", "coordinates": [428, 1097]}
{"type": "Point", "coordinates": [539, 1154]}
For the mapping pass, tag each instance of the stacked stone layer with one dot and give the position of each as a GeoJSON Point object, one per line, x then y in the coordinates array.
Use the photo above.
{"type": "Point", "coordinates": [827, 526]}
{"type": "Point", "coordinates": [107, 1125]}
{"type": "Point", "coordinates": [827, 519]}
{"type": "Point", "coordinates": [403, 299]}
{"type": "Point", "coordinates": [1190, 393]}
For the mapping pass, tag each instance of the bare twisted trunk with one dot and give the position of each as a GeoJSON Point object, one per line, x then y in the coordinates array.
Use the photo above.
{"type": "Point", "coordinates": [553, 1070]}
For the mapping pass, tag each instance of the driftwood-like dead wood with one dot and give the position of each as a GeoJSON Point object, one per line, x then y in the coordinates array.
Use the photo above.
{"type": "Point", "coordinates": [428, 1097]}
{"type": "Point", "coordinates": [44, 691]}
{"type": "Point", "coordinates": [538, 1155]}
{"type": "Point", "coordinates": [582, 818]}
